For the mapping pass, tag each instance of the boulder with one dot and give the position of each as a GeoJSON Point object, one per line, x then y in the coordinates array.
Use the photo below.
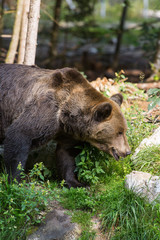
{"type": "Point", "coordinates": [154, 139]}
{"type": "Point", "coordinates": [144, 184]}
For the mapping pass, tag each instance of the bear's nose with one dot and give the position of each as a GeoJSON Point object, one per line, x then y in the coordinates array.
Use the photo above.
{"type": "Point", "coordinates": [128, 153]}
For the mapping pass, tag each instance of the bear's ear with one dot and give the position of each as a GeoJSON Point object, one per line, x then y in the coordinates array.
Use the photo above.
{"type": "Point", "coordinates": [102, 111]}
{"type": "Point", "coordinates": [57, 79]}
{"type": "Point", "coordinates": [118, 98]}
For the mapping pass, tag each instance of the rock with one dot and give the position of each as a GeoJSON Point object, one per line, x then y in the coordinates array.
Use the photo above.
{"type": "Point", "coordinates": [144, 184]}
{"type": "Point", "coordinates": [57, 226]}
{"type": "Point", "coordinates": [154, 139]}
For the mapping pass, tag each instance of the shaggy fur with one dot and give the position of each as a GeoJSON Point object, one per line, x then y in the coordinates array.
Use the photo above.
{"type": "Point", "coordinates": [37, 105]}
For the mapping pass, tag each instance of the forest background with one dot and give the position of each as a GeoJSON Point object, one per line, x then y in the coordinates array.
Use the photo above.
{"type": "Point", "coordinates": [117, 39]}
{"type": "Point", "coordinates": [97, 37]}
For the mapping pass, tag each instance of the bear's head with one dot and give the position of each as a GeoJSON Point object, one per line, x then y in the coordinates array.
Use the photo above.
{"type": "Point", "coordinates": [109, 128]}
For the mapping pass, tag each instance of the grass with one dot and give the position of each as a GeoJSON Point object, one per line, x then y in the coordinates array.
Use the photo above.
{"type": "Point", "coordinates": [123, 215]}
{"type": "Point", "coordinates": [126, 216]}
{"type": "Point", "coordinates": [148, 160]}
{"type": "Point", "coordinates": [21, 206]}
{"type": "Point", "coordinates": [138, 129]}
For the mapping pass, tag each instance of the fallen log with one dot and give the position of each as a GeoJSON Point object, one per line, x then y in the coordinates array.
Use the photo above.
{"type": "Point", "coordinates": [147, 86]}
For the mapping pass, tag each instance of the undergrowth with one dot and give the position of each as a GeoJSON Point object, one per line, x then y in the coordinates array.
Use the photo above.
{"type": "Point", "coordinates": [21, 204]}
{"type": "Point", "coordinates": [148, 160]}
{"type": "Point", "coordinates": [123, 215]}
{"type": "Point", "coordinates": [126, 216]}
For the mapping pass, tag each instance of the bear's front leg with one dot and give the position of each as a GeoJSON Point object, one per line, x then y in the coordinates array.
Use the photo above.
{"type": "Point", "coordinates": [16, 150]}
{"type": "Point", "coordinates": [65, 159]}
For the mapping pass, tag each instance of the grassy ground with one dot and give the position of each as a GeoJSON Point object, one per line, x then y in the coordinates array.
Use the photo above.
{"type": "Point", "coordinates": [123, 215]}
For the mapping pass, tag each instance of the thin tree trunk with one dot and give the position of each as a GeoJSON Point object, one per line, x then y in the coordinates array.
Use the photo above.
{"type": "Point", "coordinates": [120, 34]}
{"type": "Point", "coordinates": [157, 56]}
{"type": "Point", "coordinates": [23, 34]}
{"type": "Point", "coordinates": [1, 20]}
{"type": "Point", "coordinates": [16, 31]}
{"type": "Point", "coordinates": [31, 41]}
{"type": "Point", "coordinates": [54, 37]}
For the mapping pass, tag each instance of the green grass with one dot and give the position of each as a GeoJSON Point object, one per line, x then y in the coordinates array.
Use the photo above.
{"type": "Point", "coordinates": [123, 215]}
{"type": "Point", "coordinates": [148, 160]}
{"type": "Point", "coordinates": [138, 128]}
{"type": "Point", "coordinates": [21, 205]}
{"type": "Point", "coordinates": [126, 216]}
{"type": "Point", "coordinates": [84, 219]}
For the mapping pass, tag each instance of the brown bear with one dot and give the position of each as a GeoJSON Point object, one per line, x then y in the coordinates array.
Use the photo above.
{"type": "Point", "coordinates": [37, 105]}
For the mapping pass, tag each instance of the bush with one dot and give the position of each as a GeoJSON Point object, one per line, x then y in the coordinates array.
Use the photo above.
{"type": "Point", "coordinates": [21, 204]}
{"type": "Point", "coordinates": [91, 164]}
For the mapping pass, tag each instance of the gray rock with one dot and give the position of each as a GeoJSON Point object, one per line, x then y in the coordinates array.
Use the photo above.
{"type": "Point", "coordinates": [57, 226]}
{"type": "Point", "coordinates": [154, 139]}
{"type": "Point", "coordinates": [144, 184]}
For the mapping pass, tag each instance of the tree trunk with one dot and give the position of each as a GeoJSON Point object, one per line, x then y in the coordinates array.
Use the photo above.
{"type": "Point", "coordinates": [54, 37]}
{"type": "Point", "coordinates": [23, 34]}
{"type": "Point", "coordinates": [157, 56]}
{"type": "Point", "coordinates": [120, 34]}
{"type": "Point", "coordinates": [15, 37]}
{"type": "Point", "coordinates": [31, 41]}
{"type": "Point", "coordinates": [1, 20]}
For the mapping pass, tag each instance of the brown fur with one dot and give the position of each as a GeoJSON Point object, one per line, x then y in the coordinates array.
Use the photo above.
{"type": "Point", "coordinates": [37, 105]}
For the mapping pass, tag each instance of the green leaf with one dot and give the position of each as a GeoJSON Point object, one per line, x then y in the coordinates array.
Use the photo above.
{"type": "Point", "coordinates": [41, 177]}
{"type": "Point", "coordinates": [122, 76]}
{"type": "Point", "coordinates": [153, 91]}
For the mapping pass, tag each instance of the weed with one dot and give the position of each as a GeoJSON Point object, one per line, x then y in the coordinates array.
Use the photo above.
{"type": "Point", "coordinates": [120, 77]}
{"type": "Point", "coordinates": [84, 219]}
{"type": "Point", "coordinates": [79, 198]}
{"type": "Point", "coordinates": [21, 205]}
{"type": "Point", "coordinates": [126, 216]}
{"type": "Point", "coordinates": [138, 129]}
{"type": "Point", "coordinates": [147, 160]}
{"type": "Point", "coordinates": [91, 164]}
{"type": "Point", "coordinates": [154, 98]}
{"type": "Point", "coordinates": [39, 171]}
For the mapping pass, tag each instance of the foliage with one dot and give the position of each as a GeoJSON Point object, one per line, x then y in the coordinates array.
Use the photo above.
{"type": "Point", "coordinates": [91, 164]}
{"type": "Point", "coordinates": [39, 171]}
{"type": "Point", "coordinates": [123, 215]}
{"type": "Point", "coordinates": [147, 160]}
{"type": "Point", "coordinates": [149, 38]}
{"type": "Point", "coordinates": [120, 77]}
{"type": "Point", "coordinates": [78, 198]}
{"type": "Point", "coordinates": [154, 98]}
{"type": "Point", "coordinates": [21, 205]}
{"type": "Point", "coordinates": [81, 10]}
